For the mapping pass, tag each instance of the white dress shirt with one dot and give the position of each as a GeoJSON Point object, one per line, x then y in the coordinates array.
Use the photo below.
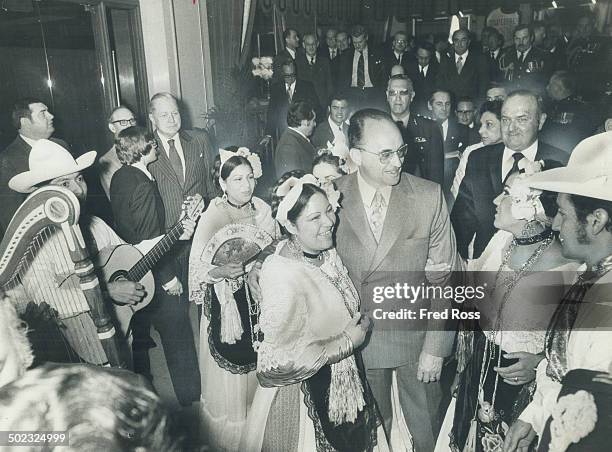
{"type": "Point", "coordinates": [339, 136]}
{"type": "Point", "coordinates": [518, 55]}
{"type": "Point", "coordinates": [398, 56]}
{"type": "Point", "coordinates": [367, 196]}
{"type": "Point", "coordinates": [463, 57]}
{"type": "Point", "coordinates": [177, 145]}
{"type": "Point", "coordinates": [291, 52]}
{"type": "Point", "coordinates": [423, 70]}
{"type": "Point", "coordinates": [404, 119]}
{"type": "Point", "coordinates": [30, 141]}
{"type": "Point", "coordinates": [368, 82]}
{"type": "Point", "coordinates": [508, 160]}
{"type": "Point", "coordinates": [444, 129]}
{"type": "Point", "coordinates": [291, 89]}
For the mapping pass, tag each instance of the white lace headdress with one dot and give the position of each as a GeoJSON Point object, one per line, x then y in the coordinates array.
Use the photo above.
{"type": "Point", "coordinates": [291, 189]}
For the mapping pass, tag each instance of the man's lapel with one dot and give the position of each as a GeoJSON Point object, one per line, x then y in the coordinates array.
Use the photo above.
{"type": "Point", "coordinates": [189, 153]}
{"type": "Point", "coordinates": [354, 212]}
{"type": "Point", "coordinates": [397, 216]}
{"type": "Point", "coordinates": [494, 165]}
{"type": "Point", "coordinates": [163, 163]}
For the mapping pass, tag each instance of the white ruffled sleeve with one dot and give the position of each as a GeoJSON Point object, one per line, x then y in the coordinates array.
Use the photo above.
{"type": "Point", "coordinates": [288, 353]}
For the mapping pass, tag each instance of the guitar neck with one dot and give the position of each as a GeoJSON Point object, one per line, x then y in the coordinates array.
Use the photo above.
{"type": "Point", "coordinates": [148, 261]}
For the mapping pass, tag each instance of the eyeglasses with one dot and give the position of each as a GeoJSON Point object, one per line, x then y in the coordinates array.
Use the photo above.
{"type": "Point", "coordinates": [125, 122]}
{"type": "Point", "coordinates": [386, 155]}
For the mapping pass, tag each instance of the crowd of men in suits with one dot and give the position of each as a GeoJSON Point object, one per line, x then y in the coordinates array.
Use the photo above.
{"type": "Point", "coordinates": [445, 83]}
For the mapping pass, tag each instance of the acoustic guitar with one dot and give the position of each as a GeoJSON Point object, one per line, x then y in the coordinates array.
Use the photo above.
{"type": "Point", "coordinates": [128, 263]}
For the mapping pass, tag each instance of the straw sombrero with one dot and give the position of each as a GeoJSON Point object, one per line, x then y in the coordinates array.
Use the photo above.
{"type": "Point", "coordinates": [47, 161]}
{"type": "Point", "coordinates": [588, 172]}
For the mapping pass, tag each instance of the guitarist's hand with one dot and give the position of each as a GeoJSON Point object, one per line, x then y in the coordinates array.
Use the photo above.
{"type": "Point", "coordinates": [176, 289]}
{"type": "Point", "coordinates": [126, 292]}
{"type": "Point", "coordinates": [188, 228]}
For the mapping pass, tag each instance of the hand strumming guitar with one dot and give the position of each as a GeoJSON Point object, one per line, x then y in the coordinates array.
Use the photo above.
{"type": "Point", "coordinates": [125, 292]}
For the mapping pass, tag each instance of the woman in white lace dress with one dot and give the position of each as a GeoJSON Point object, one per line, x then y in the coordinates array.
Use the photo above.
{"type": "Point", "coordinates": [524, 274]}
{"type": "Point", "coordinates": [231, 230]}
{"type": "Point", "coordinates": [314, 395]}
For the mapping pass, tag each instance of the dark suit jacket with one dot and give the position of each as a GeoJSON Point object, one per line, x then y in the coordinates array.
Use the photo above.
{"type": "Point", "coordinates": [278, 61]}
{"type": "Point", "coordinates": [423, 86]}
{"type": "Point", "coordinates": [323, 134]}
{"type": "Point", "coordinates": [390, 60]}
{"type": "Point", "coordinates": [14, 160]}
{"type": "Point", "coordinates": [474, 211]}
{"type": "Point", "coordinates": [457, 137]}
{"type": "Point", "coordinates": [293, 152]}
{"type": "Point", "coordinates": [376, 69]}
{"type": "Point", "coordinates": [279, 104]}
{"type": "Point", "coordinates": [425, 157]}
{"type": "Point", "coordinates": [319, 74]}
{"type": "Point", "coordinates": [323, 51]}
{"type": "Point", "coordinates": [139, 213]}
{"type": "Point", "coordinates": [495, 73]}
{"type": "Point", "coordinates": [520, 76]}
{"type": "Point", "coordinates": [199, 158]}
{"type": "Point", "coordinates": [473, 80]}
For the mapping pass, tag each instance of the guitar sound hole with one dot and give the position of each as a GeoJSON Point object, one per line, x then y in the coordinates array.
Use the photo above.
{"type": "Point", "coordinates": [118, 275]}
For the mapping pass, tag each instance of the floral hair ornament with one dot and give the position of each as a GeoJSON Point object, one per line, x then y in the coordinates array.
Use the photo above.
{"type": "Point", "coordinates": [242, 152]}
{"type": "Point", "coordinates": [291, 189]}
{"type": "Point", "coordinates": [526, 204]}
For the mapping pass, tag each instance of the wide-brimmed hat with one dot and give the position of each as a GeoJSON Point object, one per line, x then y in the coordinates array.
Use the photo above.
{"type": "Point", "coordinates": [588, 172]}
{"type": "Point", "coordinates": [47, 161]}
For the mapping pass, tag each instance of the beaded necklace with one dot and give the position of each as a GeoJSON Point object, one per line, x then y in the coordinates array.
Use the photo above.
{"type": "Point", "coordinates": [486, 410]}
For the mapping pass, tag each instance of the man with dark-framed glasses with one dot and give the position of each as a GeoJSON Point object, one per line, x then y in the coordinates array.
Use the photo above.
{"type": "Point", "coordinates": [425, 148]}
{"type": "Point", "coordinates": [120, 119]}
{"type": "Point", "coordinates": [386, 216]}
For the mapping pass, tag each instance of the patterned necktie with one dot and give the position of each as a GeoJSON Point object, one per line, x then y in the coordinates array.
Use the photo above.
{"type": "Point", "coordinates": [333, 54]}
{"type": "Point", "coordinates": [175, 161]}
{"type": "Point", "coordinates": [459, 64]}
{"type": "Point", "coordinates": [377, 218]}
{"type": "Point", "coordinates": [521, 56]}
{"type": "Point", "coordinates": [289, 96]}
{"type": "Point", "coordinates": [360, 71]}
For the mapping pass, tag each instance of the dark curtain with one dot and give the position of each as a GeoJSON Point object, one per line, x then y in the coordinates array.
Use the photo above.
{"type": "Point", "coordinates": [230, 66]}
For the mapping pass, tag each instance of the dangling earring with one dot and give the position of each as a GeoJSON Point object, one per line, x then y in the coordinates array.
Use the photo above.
{"type": "Point", "coordinates": [224, 197]}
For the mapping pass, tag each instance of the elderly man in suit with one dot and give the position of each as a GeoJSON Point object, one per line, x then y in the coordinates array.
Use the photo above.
{"type": "Point", "coordinates": [330, 49]}
{"type": "Point", "coordinates": [465, 73]}
{"type": "Point", "coordinates": [361, 71]}
{"type": "Point", "coordinates": [120, 119]}
{"type": "Point", "coordinates": [289, 89]}
{"type": "Point", "coordinates": [182, 169]}
{"type": "Point", "coordinates": [473, 213]}
{"type": "Point", "coordinates": [289, 53]}
{"type": "Point", "coordinates": [316, 70]}
{"type": "Point", "coordinates": [386, 216]}
{"type": "Point", "coordinates": [425, 153]}
{"type": "Point", "coordinates": [33, 122]}
{"type": "Point", "coordinates": [398, 53]}
{"type": "Point", "coordinates": [423, 72]}
{"type": "Point", "coordinates": [294, 149]}
{"type": "Point", "coordinates": [335, 129]}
